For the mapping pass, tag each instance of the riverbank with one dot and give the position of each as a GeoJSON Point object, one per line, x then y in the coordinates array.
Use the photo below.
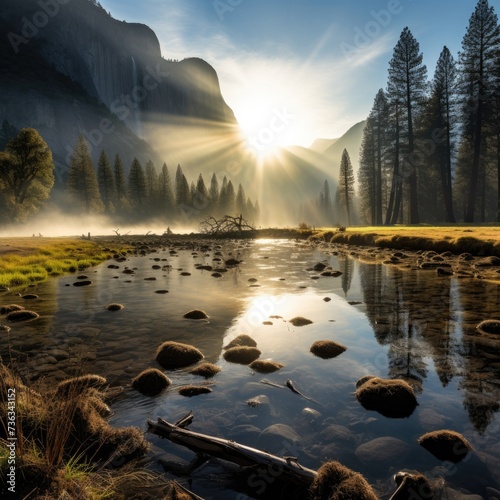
{"type": "Point", "coordinates": [476, 240]}
{"type": "Point", "coordinates": [24, 261]}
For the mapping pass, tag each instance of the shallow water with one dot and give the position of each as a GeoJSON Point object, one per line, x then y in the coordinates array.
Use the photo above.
{"type": "Point", "coordinates": [395, 322]}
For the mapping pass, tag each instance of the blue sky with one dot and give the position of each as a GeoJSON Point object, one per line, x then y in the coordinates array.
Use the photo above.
{"type": "Point", "coordinates": [320, 62]}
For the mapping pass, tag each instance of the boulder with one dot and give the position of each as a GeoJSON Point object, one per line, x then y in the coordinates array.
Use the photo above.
{"type": "Point", "coordinates": [392, 398]}
{"type": "Point", "coordinates": [300, 321]}
{"type": "Point", "coordinates": [446, 445]}
{"type": "Point", "coordinates": [172, 355]}
{"type": "Point", "coordinates": [196, 314]}
{"type": "Point", "coordinates": [243, 355]}
{"type": "Point", "coordinates": [489, 326]}
{"type": "Point", "coordinates": [151, 382]}
{"type": "Point", "coordinates": [206, 370]}
{"type": "Point", "coordinates": [265, 366]}
{"type": "Point", "coordinates": [241, 340]}
{"type": "Point", "coordinates": [327, 349]}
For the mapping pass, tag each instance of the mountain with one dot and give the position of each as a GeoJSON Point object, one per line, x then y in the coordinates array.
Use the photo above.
{"type": "Point", "coordinates": [69, 67]}
{"type": "Point", "coordinates": [351, 141]}
{"type": "Point", "coordinates": [321, 145]}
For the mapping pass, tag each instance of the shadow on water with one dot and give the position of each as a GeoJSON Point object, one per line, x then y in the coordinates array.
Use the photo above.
{"type": "Point", "coordinates": [396, 321]}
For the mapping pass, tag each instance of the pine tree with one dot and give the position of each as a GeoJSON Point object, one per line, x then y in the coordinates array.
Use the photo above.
{"type": "Point", "coordinates": [230, 199]}
{"type": "Point", "coordinates": [122, 203]}
{"type": "Point", "coordinates": [201, 199]}
{"type": "Point", "coordinates": [181, 189]}
{"type": "Point", "coordinates": [82, 180]}
{"type": "Point", "coordinates": [137, 188]}
{"type": "Point", "coordinates": [345, 188]}
{"type": "Point", "coordinates": [477, 60]}
{"type": "Point", "coordinates": [106, 181]}
{"type": "Point", "coordinates": [223, 205]}
{"type": "Point", "coordinates": [407, 86]}
{"type": "Point", "coordinates": [325, 205]}
{"type": "Point", "coordinates": [165, 194]}
{"type": "Point", "coordinates": [241, 201]}
{"type": "Point", "coordinates": [440, 123]}
{"type": "Point", "coordinates": [373, 160]}
{"type": "Point", "coordinates": [213, 193]}
{"type": "Point", "coordinates": [151, 187]}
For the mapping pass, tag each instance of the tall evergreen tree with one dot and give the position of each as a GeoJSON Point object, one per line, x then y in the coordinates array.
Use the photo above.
{"type": "Point", "coordinates": [165, 194]}
{"type": "Point", "coordinates": [181, 189]}
{"type": "Point", "coordinates": [477, 59]}
{"type": "Point", "coordinates": [213, 194]}
{"type": "Point", "coordinates": [122, 203]}
{"type": "Point", "coordinates": [82, 180]}
{"type": "Point", "coordinates": [106, 181]}
{"type": "Point", "coordinates": [345, 189]}
{"type": "Point", "coordinates": [440, 123]}
{"type": "Point", "coordinates": [137, 188]}
{"type": "Point", "coordinates": [201, 199]}
{"type": "Point", "coordinates": [408, 84]}
{"type": "Point", "coordinates": [151, 186]}
{"type": "Point", "coordinates": [230, 199]}
{"type": "Point", "coordinates": [373, 160]}
{"type": "Point", "coordinates": [241, 201]}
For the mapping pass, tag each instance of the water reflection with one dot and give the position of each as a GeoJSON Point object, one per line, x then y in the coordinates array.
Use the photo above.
{"type": "Point", "coordinates": [395, 322]}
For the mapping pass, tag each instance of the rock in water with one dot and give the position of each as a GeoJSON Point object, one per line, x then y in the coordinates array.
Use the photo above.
{"type": "Point", "coordinates": [177, 355]}
{"type": "Point", "coordinates": [242, 355]}
{"type": "Point", "coordinates": [446, 445]}
{"type": "Point", "coordinates": [266, 366]}
{"type": "Point", "coordinates": [327, 349]}
{"type": "Point", "coordinates": [22, 315]}
{"type": "Point", "coordinates": [193, 390]}
{"type": "Point", "coordinates": [196, 314]}
{"type": "Point", "coordinates": [489, 326]}
{"type": "Point", "coordinates": [300, 321]}
{"type": "Point", "coordinates": [115, 307]}
{"type": "Point", "coordinates": [151, 382]}
{"type": "Point", "coordinates": [392, 398]}
{"type": "Point", "coordinates": [206, 370]}
{"type": "Point", "coordinates": [241, 340]}
{"type": "Point", "coordinates": [10, 307]}
{"type": "Point", "coordinates": [334, 481]}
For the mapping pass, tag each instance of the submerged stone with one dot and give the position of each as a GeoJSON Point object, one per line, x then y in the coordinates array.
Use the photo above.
{"type": "Point", "coordinates": [22, 315]}
{"type": "Point", "coordinates": [196, 314]}
{"type": "Point", "coordinates": [300, 321]}
{"type": "Point", "coordinates": [266, 366]}
{"type": "Point", "coordinates": [10, 307]}
{"type": "Point", "coordinates": [193, 390]}
{"type": "Point", "coordinates": [206, 370]}
{"type": "Point", "coordinates": [115, 307]}
{"type": "Point", "coordinates": [489, 326]}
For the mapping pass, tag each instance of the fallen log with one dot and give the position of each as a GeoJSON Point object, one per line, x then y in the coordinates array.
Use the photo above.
{"type": "Point", "coordinates": [287, 468]}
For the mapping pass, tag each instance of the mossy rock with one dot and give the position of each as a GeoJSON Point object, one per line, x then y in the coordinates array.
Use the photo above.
{"type": "Point", "coordinates": [408, 484]}
{"type": "Point", "coordinates": [266, 366]}
{"type": "Point", "coordinates": [196, 314]}
{"type": "Point", "coordinates": [193, 390]}
{"type": "Point", "coordinates": [10, 308]}
{"type": "Point", "coordinates": [206, 370]}
{"type": "Point", "coordinates": [392, 398]}
{"type": "Point", "coordinates": [300, 321]}
{"type": "Point", "coordinates": [243, 355]}
{"type": "Point", "coordinates": [115, 307]}
{"type": "Point", "coordinates": [23, 315]}
{"type": "Point", "coordinates": [240, 341]}
{"type": "Point", "coordinates": [151, 382]}
{"type": "Point", "coordinates": [334, 481]}
{"type": "Point", "coordinates": [446, 445]}
{"type": "Point", "coordinates": [172, 355]}
{"type": "Point", "coordinates": [327, 349]}
{"type": "Point", "coordinates": [29, 296]}
{"type": "Point", "coordinates": [76, 385]}
{"type": "Point", "coordinates": [489, 326]}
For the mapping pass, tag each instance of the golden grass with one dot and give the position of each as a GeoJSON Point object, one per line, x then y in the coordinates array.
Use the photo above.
{"type": "Point", "coordinates": [477, 240]}
{"type": "Point", "coordinates": [29, 260]}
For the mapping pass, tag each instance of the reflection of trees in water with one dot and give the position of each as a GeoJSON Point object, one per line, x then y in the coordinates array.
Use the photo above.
{"type": "Point", "coordinates": [346, 265]}
{"type": "Point", "coordinates": [479, 300]}
{"type": "Point", "coordinates": [419, 314]}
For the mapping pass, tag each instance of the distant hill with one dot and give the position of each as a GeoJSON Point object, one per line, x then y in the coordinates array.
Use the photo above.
{"type": "Point", "coordinates": [351, 141]}
{"type": "Point", "coordinates": [321, 145]}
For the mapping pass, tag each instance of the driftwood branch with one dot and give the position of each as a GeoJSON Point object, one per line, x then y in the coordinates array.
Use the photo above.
{"type": "Point", "coordinates": [244, 456]}
{"type": "Point", "coordinates": [226, 224]}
